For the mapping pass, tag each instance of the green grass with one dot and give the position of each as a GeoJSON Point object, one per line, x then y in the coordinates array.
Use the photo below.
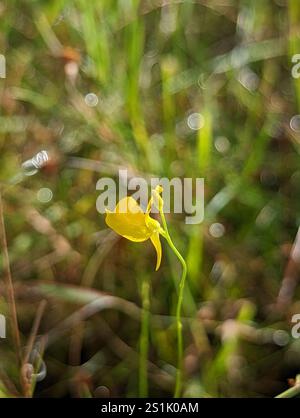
{"type": "Point", "coordinates": [151, 67]}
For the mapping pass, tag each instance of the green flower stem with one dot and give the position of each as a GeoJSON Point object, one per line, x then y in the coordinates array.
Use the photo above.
{"type": "Point", "coordinates": [178, 383]}
{"type": "Point", "coordinates": [291, 392]}
{"type": "Point", "coordinates": [144, 339]}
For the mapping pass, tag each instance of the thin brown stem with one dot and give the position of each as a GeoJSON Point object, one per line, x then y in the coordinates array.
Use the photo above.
{"type": "Point", "coordinates": [9, 286]}
{"type": "Point", "coordinates": [26, 380]}
{"type": "Point", "coordinates": [34, 329]}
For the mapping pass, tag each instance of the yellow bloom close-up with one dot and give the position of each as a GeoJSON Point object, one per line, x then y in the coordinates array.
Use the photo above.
{"type": "Point", "coordinates": [129, 221]}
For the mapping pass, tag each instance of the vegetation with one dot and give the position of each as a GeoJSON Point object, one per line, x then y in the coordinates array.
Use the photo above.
{"type": "Point", "coordinates": [167, 89]}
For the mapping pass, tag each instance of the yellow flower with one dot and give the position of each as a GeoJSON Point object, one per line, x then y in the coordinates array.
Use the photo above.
{"type": "Point", "coordinates": [129, 221]}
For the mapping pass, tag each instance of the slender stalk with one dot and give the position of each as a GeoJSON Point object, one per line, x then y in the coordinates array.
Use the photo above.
{"type": "Point", "coordinates": [9, 286]}
{"type": "Point", "coordinates": [292, 392]}
{"type": "Point", "coordinates": [178, 383]}
{"type": "Point", "coordinates": [26, 382]}
{"type": "Point", "coordinates": [144, 339]}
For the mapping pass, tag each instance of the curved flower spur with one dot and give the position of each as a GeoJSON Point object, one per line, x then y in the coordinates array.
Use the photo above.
{"type": "Point", "coordinates": [129, 221]}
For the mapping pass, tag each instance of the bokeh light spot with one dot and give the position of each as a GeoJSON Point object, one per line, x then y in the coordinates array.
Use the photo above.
{"type": "Point", "coordinates": [44, 195]}
{"type": "Point", "coordinates": [222, 144]}
{"type": "Point", "coordinates": [195, 121]}
{"type": "Point", "coordinates": [91, 100]}
{"type": "Point", "coordinates": [295, 123]}
{"type": "Point", "coordinates": [217, 230]}
{"type": "Point", "coordinates": [281, 338]}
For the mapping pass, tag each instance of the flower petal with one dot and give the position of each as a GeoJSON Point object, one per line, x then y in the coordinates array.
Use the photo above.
{"type": "Point", "coordinates": [155, 198]}
{"type": "Point", "coordinates": [128, 220]}
{"type": "Point", "coordinates": [157, 245]}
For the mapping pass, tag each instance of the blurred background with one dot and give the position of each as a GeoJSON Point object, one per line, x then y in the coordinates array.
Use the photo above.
{"type": "Point", "coordinates": [201, 88]}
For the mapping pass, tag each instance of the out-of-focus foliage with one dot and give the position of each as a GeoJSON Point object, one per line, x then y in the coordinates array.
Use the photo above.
{"type": "Point", "coordinates": [103, 85]}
